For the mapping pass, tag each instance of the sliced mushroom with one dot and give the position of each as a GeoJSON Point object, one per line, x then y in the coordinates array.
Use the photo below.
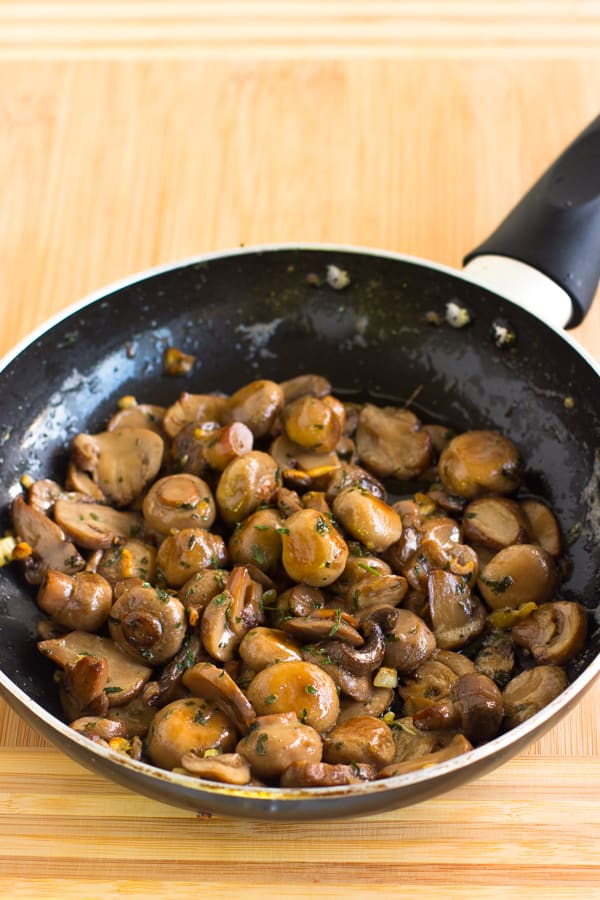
{"type": "Point", "coordinates": [542, 526]}
{"type": "Point", "coordinates": [137, 715]}
{"type": "Point", "coordinates": [261, 647]}
{"type": "Point", "coordinates": [129, 558]}
{"type": "Point", "coordinates": [474, 707]}
{"type": "Point", "coordinates": [126, 678]}
{"type": "Point", "coordinates": [299, 687]}
{"type": "Point", "coordinates": [188, 724]}
{"type": "Point", "coordinates": [497, 659]}
{"type": "Point", "coordinates": [368, 519]}
{"type": "Point", "coordinates": [351, 475]}
{"type": "Point", "coordinates": [302, 385]}
{"type": "Point", "coordinates": [190, 550]}
{"type": "Point", "coordinates": [456, 662]}
{"type": "Point", "coordinates": [179, 501]}
{"type": "Point", "coordinates": [480, 462]}
{"type": "Point", "coordinates": [431, 682]}
{"type": "Point", "coordinates": [457, 746]}
{"type": "Point", "coordinates": [363, 660]}
{"type": "Point", "coordinates": [309, 464]}
{"type": "Point", "coordinates": [277, 741]}
{"type": "Point", "coordinates": [166, 687]}
{"type": "Point", "coordinates": [81, 483]}
{"type": "Point", "coordinates": [322, 624]}
{"type": "Point", "coordinates": [207, 680]}
{"type": "Point", "coordinates": [99, 727]}
{"type": "Point", "coordinates": [122, 463]}
{"type": "Point", "coordinates": [554, 633]}
{"type": "Point", "coordinates": [495, 522]}
{"type": "Point", "coordinates": [531, 691]}
{"type": "Point", "coordinates": [43, 494]}
{"type": "Point", "coordinates": [95, 526]}
{"type": "Point", "coordinates": [246, 483]}
{"type": "Point", "coordinates": [231, 614]}
{"type": "Point", "coordinates": [522, 573]}
{"type": "Point", "coordinates": [200, 589]}
{"type": "Point", "coordinates": [299, 600]}
{"type": "Point", "coordinates": [359, 688]}
{"type": "Point", "coordinates": [83, 686]}
{"type": "Point", "coordinates": [147, 623]}
{"type": "Point", "coordinates": [138, 415]}
{"type": "Point", "coordinates": [227, 768]}
{"type": "Point", "coordinates": [363, 739]}
{"type": "Point", "coordinates": [313, 551]}
{"type": "Point", "coordinates": [78, 602]}
{"type": "Point", "coordinates": [409, 742]}
{"type": "Point", "coordinates": [50, 549]}
{"type": "Point", "coordinates": [375, 704]}
{"type": "Point", "coordinates": [457, 615]}
{"type": "Point", "coordinates": [408, 640]}
{"type": "Point", "coordinates": [193, 409]}
{"type": "Point", "coordinates": [256, 404]}
{"type": "Point", "coordinates": [309, 774]}
{"type": "Point", "coordinates": [391, 442]}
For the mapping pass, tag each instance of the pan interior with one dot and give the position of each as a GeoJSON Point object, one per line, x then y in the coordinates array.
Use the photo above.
{"type": "Point", "coordinates": [272, 314]}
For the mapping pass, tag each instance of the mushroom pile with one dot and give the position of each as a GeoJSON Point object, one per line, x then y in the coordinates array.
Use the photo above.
{"type": "Point", "coordinates": [231, 592]}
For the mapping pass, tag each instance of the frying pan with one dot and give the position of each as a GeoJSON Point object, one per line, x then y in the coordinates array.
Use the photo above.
{"type": "Point", "coordinates": [270, 312]}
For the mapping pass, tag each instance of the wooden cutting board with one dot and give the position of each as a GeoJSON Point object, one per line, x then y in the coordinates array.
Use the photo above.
{"type": "Point", "coordinates": [142, 132]}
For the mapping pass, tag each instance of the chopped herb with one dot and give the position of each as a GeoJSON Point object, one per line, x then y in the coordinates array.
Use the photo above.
{"type": "Point", "coordinates": [336, 625]}
{"type": "Point", "coordinates": [186, 505]}
{"type": "Point", "coordinates": [113, 690]}
{"type": "Point", "coordinates": [261, 740]}
{"type": "Point", "coordinates": [283, 530]}
{"type": "Point", "coordinates": [370, 569]}
{"type": "Point", "coordinates": [499, 586]}
{"type": "Point", "coordinates": [262, 527]}
{"type": "Point", "coordinates": [322, 526]}
{"type": "Point", "coordinates": [220, 599]}
{"type": "Point", "coordinates": [310, 689]}
{"type": "Point", "coordinates": [271, 698]}
{"type": "Point", "coordinates": [258, 554]}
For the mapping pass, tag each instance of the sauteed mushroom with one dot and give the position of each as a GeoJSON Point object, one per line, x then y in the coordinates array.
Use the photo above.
{"type": "Point", "coordinates": [530, 691]}
{"type": "Point", "coordinates": [122, 462]}
{"type": "Point", "coordinates": [313, 550]}
{"type": "Point", "coordinates": [521, 573]}
{"type": "Point", "coordinates": [474, 707]}
{"type": "Point", "coordinates": [276, 741]}
{"type": "Point", "coordinates": [554, 633]}
{"type": "Point", "coordinates": [147, 623]}
{"type": "Point", "coordinates": [363, 739]}
{"type": "Point", "coordinates": [310, 774]}
{"type": "Point", "coordinates": [190, 723]}
{"type": "Point", "coordinates": [78, 602]}
{"type": "Point", "coordinates": [478, 462]}
{"type": "Point", "coordinates": [179, 501]}
{"type": "Point", "coordinates": [390, 441]}
{"type": "Point", "coordinates": [367, 518]}
{"type": "Point", "coordinates": [49, 548]}
{"type": "Point", "coordinates": [296, 687]}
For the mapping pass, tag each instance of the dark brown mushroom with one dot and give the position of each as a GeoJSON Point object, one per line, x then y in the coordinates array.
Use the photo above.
{"type": "Point", "coordinates": [94, 525]}
{"type": "Point", "coordinates": [431, 681]}
{"type": "Point", "coordinates": [81, 601]}
{"type": "Point", "coordinates": [207, 680]}
{"type": "Point", "coordinates": [138, 415]}
{"type": "Point", "coordinates": [363, 739]}
{"type": "Point", "coordinates": [474, 707]}
{"type": "Point", "coordinates": [480, 462]}
{"type": "Point", "coordinates": [83, 686]}
{"type": "Point", "coordinates": [496, 659]}
{"type": "Point", "coordinates": [554, 633]}
{"type": "Point", "coordinates": [530, 691]}
{"type": "Point", "coordinates": [226, 768]}
{"type": "Point", "coordinates": [166, 687]}
{"type": "Point", "coordinates": [363, 660]}
{"type": "Point", "coordinates": [408, 640]}
{"type": "Point", "coordinates": [391, 442]}
{"type": "Point", "coordinates": [495, 522]}
{"type": "Point", "coordinates": [50, 549]}
{"type": "Point", "coordinates": [310, 774]}
{"type": "Point", "coordinates": [521, 573]}
{"type": "Point", "coordinates": [122, 463]}
{"type": "Point", "coordinates": [457, 615]}
{"type": "Point", "coordinates": [351, 475]}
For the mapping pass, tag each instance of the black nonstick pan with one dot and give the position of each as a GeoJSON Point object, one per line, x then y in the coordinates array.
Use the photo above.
{"type": "Point", "coordinates": [272, 312]}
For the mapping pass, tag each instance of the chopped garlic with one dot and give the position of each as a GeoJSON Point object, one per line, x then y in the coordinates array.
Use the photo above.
{"type": "Point", "coordinates": [127, 402]}
{"type": "Point", "coordinates": [386, 677]}
{"type": "Point", "coordinates": [457, 316]}
{"type": "Point", "coordinates": [337, 278]}
{"type": "Point", "coordinates": [7, 545]}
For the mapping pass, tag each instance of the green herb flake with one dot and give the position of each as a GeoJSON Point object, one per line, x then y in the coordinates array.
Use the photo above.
{"type": "Point", "coordinates": [261, 741]}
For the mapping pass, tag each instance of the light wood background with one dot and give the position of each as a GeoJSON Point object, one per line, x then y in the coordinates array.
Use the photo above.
{"type": "Point", "coordinates": [137, 133]}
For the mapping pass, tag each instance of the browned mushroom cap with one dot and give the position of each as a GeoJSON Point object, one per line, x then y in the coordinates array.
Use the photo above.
{"type": "Point", "coordinates": [358, 688]}
{"type": "Point", "coordinates": [321, 624]}
{"type": "Point", "coordinates": [363, 660]}
{"type": "Point", "coordinates": [299, 687]}
{"type": "Point", "coordinates": [137, 715]}
{"type": "Point", "coordinates": [531, 691]}
{"type": "Point", "coordinates": [99, 727]}
{"type": "Point", "coordinates": [314, 422]}
{"type": "Point", "coordinates": [190, 723]}
{"type": "Point", "coordinates": [309, 774]}
{"type": "Point", "coordinates": [480, 462]}
{"type": "Point", "coordinates": [522, 573]}
{"type": "Point", "coordinates": [374, 592]}
{"type": "Point", "coordinates": [474, 707]}
{"type": "Point", "coordinates": [313, 550]}
{"type": "Point", "coordinates": [231, 614]}
{"type": "Point", "coordinates": [456, 662]}
{"type": "Point", "coordinates": [554, 633]}
{"type": "Point", "coordinates": [457, 615]}
{"type": "Point", "coordinates": [190, 550]}
{"type": "Point", "coordinates": [247, 483]}
{"type": "Point", "coordinates": [408, 640]}
{"type": "Point", "coordinates": [302, 385]}
{"type": "Point", "coordinates": [95, 525]}
{"type": "Point", "coordinates": [291, 457]}
{"type": "Point", "coordinates": [187, 452]}
{"type": "Point", "coordinates": [375, 704]}
{"type": "Point", "coordinates": [139, 415]}
{"type": "Point", "coordinates": [277, 741]}
{"type": "Point", "coordinates": [49, 548]}
{"type": "Point", "coordinates": [495, 522]}
{"type": "Point", "coordinates": [207, 680]}
{"type": "Point", "coordinates": [227, 768]}
{"type": "Point", "coordinates": [80, 601]}
{"type": "Point", "coordinates": [357, 570]}
{"type": "Point", "coordinates": [128, 559]}
{"type": "Point", "coordinates": [199, 590]}
{"type": "Point", "coordinates": [147, 623]}
{"type": "Point", "coordinates": [457, 746]}
{"type": "Point", "coordinates": [349, 475]}
{"type": "Point", "coordinates": [122, 463]}
{"type": "Point", "coordinates": [363, 739]}
{"type": "Point", "coordinates": [257, 405]}
{"type": "Point", "coordinates": [226, 444]}
{"type": "Point", "coordinates": [431, 682]}
{"type": "Point", "coordinates": [542, 526]}
{"type": "Point", "coordinates": [179, 501]}
{"type": "Point", "coordinates": [126, 678]}
{"type": "Point", "coordinates": [262, 647]}
{"type": "Point", "coordinates": [367, 518]}
{"type": "Point", "coordinates": [193, 409]}
{"type": "Point", "coordinates": [257, 540]}
{"type": "Point", "coordinates": [390, 442]}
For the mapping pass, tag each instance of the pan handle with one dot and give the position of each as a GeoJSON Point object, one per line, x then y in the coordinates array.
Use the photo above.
{"type": "Point", "coordinates": [556, 230]}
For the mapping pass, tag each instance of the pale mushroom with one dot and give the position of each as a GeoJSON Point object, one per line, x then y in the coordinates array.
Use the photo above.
{"type": "Point", "coordinates": [302, 385]}
{"type": "Point", "coordinates": [276, 741]}
{"type": "Point", "coordinates": [49, 547]}
{"type": "Point", "coordinates": [521, 573]}
{"type": "Point", "coordinates": [77, 602]}
{"type": "Point", "coordinates": [543, 526]}
{"type": "Point", "coordinates": [457, 746]}
{"type": "Point", "coordinates": [138, 415]}
{"type": "Point", "coordinates": [226, 768]}
{"type": "Point", "coordinates": [95, 526]}
{"type": "Point", "coordinates": [480, 462]}
{"type": "Point", "coordinates": [495, 522]}
{"type": "Point", "coordinates": [311, 774]}
{"type": "Point", "coordinates": [554, 633]}
{"type": "Point", "coordinates": [391, 442]}
{"type": "Point", "coordinates": [122, 462]}
{"type": "Point", "coordinates": [530, 691]}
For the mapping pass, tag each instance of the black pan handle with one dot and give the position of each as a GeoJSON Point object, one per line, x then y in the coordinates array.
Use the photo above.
{"type": "Point", "coordinates": [556, 226]}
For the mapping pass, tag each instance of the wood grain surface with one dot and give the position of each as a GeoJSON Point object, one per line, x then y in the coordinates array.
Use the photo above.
{"type": "Point", "coordinates": [143, 132]}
